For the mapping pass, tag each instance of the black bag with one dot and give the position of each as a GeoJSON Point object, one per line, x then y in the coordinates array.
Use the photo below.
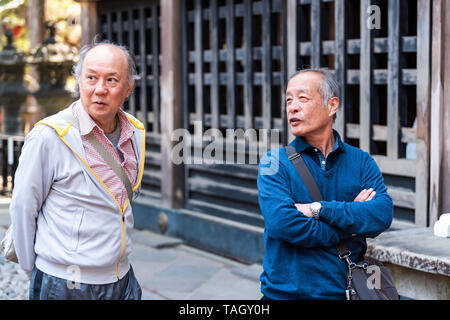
{"type": "Point", "coordinates": [366, 280]}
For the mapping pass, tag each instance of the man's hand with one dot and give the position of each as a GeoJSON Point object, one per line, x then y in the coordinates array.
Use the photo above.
{"type": "Point", "coordinates": [364, 195]}
{"type": "Point", "coordinates": [304, 208]}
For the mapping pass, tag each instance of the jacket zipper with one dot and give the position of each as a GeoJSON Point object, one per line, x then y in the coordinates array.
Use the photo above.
{"type": "Point", "coordinates": [123, 244]}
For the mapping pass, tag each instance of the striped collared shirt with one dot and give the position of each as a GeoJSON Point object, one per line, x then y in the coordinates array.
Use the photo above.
{"type": "Point", "coordinates": [98, 164]}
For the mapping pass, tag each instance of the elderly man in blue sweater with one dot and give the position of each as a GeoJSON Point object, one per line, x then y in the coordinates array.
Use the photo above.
{"type": "Point", "coordinates": [301, 261]}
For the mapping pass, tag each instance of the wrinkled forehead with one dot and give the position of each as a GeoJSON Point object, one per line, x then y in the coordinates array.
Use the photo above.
{"type": "Point", "coordinates": [307, 82]}
{"type": "Point", "coordinates": [106, 56]}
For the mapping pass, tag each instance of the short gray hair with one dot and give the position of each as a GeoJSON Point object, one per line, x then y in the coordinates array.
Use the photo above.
{"type": "Point", "coordinates": [328, 88]}
{"type": "Point", "coordinates": [77, 67]}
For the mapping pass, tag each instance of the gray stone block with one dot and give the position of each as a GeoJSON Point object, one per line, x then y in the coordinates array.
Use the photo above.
{"type": "Point", "coordinates": [148, 295]}
{"type": "Point", "coordinates": [182, 277]}
{"type": "Point", "coordinates": [225, 285]}
{"type": "Point", "coordinates": [251, 272]}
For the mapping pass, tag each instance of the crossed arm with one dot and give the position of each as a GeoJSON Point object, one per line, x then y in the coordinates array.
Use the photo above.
{"type": "Point", "coordinates": [369, 214]}
{"type": "Point", "coordinates": [364, 195]}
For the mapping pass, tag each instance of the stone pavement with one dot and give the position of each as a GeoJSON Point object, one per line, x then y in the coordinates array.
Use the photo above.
{"type": "Point", "coordinates": [168, 269]}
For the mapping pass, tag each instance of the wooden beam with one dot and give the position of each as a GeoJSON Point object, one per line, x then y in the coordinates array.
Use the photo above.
{"type": "Point", "coordinates": [292, 52]}
{"type": "Point", "coordinates": [155, 66]}
{"type": "Point", "coordinates": [423, 112]}
{"type": "Point", "coordinates": [440, 115]}
{"type": "Point", "coordinates": [108, 25]}
{"type": "Point", "coordinates": [380, 76]}
{"type": "Point", "coordinates": [132, 101]}
{"type": "Point", "coordinates": [198, 40]}
{"type": "Point", "coordinates": [398, 167]}
{"type": "Point", "coordinates": [267, 65]}
{"type": "Point", "coordinates": [88, 21]}
{"type": "Point", "coordinates": [339, 63]}
{"type": "Point", "coordinates": [35, 22]}
{"type": "Point", "coordinates": [380, 133]}
{"type": "Point", "coordinates": [214, 44]}
{"type": "Point", "coordinates": [171, 107]}
{"type": "Point", "coordinates": [143, 64]}
{"type": "Point", "coordinates": [445, 161]}
{"type": "Point", "coordinates": [258, 122]}
{"type": "Point", "coordinates": [248, 65]}
{"type": "Point", "coordinates": [292, 44]}
{"type": "Point", "coordinates": [380, 45]}
{"type": "Point", "coordinates": [36, 30]}
{"type": "Point", "coordinates": [315, 26]}
{"type": "Point", "coordinates": [231, 83]}
{"type": "Point", "coordinates": [393, 121]}
{"type": "Point", "coordinates": [365, 83]}
{"type": "Point", "coordinates": [119, 28]}
{"type": "Point", "coordinates": [283, 73]}
{"type": "Point", "coordinates": [403, 198]}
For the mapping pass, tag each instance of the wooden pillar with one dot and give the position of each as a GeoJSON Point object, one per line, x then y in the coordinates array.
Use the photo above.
{"type": "Point", "coordinates": [365, 80]}
{"type": "Point", "coordinates": [36, 28]}
{"type": "Point", "coordinates": [445, 120]}
{"type": "Point", "coordinates": [36, 22]}
{"type": "Point", "coordinates": [440, 112]}
{"type": "Point", "coordinates": [340, 63]}
{"type": "Point", "coordinates": [292, 50]}
{"type": "Point", "coordinates": [88, 21]}
{"type": "Point", "coordinates": [393, 105]}
{"type": "Point", "coordinates": [423, 112]}
{"type": "Point", "coordinates": [171, 104]}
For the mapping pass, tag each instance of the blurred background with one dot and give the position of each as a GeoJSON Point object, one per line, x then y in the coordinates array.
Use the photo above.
{"type": "Point", "coordinates": [34, 24]}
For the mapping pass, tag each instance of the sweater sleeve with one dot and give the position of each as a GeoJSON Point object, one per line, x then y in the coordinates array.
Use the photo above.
{"type": "Point", "coordinates": [282, 219]}
{"type": "Point", "coordinates": [369, 218]}
{"type": "Point", "coordinates": [32, 183]}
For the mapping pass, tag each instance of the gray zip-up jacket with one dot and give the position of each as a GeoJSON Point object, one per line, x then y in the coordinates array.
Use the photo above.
{"type": "Point", "coordinates": [65, 220]}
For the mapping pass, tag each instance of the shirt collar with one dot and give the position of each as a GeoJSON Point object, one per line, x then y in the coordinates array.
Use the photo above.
{"type": "Point", "coordinates": [87, 124]}
{"type": "Point", "coordinates": [300, 145]}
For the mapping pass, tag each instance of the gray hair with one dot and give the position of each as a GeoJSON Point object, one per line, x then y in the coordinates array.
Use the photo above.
{"type": "Point", "coordinates": [77, 67]}
{"type": "Point", "coordinates": [328, 88]}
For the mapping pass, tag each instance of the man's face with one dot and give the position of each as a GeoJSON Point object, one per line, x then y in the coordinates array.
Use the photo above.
{"type": "Point", "coordinates": [104, 82]}
{"type": "Point", "coordinates": [304, 106]}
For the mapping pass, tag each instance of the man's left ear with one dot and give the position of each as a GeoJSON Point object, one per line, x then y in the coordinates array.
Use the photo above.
{"type": "Point", "coordinates": [130, 90]}
{"type": "Point", "coordinates": [333, 105]}
{"type": "Point", "coordinates": [131, 87]}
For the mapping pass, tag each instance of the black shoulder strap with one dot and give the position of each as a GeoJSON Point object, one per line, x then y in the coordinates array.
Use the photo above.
{"type": "Point", "coordinates": [299, 164]}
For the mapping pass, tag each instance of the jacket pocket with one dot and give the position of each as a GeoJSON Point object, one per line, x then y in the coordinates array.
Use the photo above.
{"type": "Point", "coordinates": [75, 233]}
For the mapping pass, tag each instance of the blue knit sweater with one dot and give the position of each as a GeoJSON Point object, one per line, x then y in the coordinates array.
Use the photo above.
{"type": "Point", "coordinates": [300, 260]}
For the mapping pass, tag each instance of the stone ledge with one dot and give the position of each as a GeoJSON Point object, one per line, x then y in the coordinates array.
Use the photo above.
{"type": "Point", "coordinates": [416, 248]}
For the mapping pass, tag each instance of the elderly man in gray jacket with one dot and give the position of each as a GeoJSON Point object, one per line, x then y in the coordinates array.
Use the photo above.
{"type": "Point", "coordinates": [77, 174]}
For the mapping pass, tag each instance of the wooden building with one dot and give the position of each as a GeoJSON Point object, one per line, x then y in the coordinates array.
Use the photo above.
{"type": "Point", "coordinates": [223, 64]}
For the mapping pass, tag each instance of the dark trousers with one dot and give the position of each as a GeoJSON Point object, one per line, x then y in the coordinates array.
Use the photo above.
{"type": "Point", "coordinates": [46, 287]}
